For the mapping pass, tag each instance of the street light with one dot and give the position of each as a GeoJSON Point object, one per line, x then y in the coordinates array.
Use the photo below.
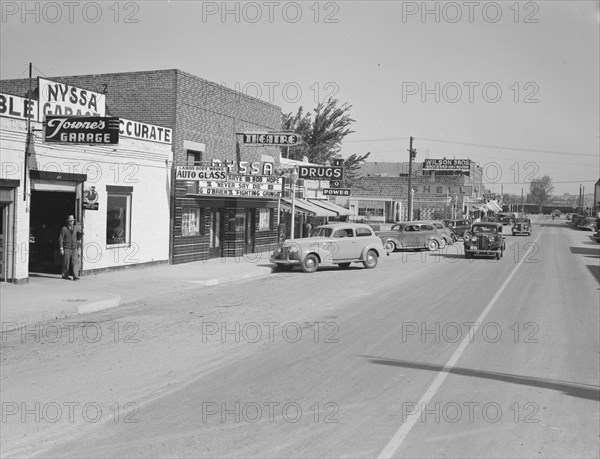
{"type": "Point", "coordinates": [293, 178]}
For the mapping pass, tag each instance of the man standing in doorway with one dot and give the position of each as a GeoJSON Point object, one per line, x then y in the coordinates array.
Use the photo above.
{"type": "Point", "coordinates": [67, 241]}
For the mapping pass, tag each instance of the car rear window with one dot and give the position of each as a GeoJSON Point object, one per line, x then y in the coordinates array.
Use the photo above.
{"type": "Point", "coordinates": [427, 227]}
{"type": "Point", "coordinates": [362, 232]}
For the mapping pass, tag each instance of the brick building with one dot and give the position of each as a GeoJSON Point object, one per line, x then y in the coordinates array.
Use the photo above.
{"type": "Point", "coordinates": [205, 119]}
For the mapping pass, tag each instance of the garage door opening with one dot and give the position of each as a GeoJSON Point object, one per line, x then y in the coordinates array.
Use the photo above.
{"type": "Point", "coordinates": [49, 210]}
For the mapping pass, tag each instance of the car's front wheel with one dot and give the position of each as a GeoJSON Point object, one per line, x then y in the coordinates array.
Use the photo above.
{"type": "Point", "coordinates": [371, 260]}
{"type": "Point", "coordinates": [310, 264]}
{"type": "Point", "coordinates": [466, 235]}
{"type": "Point", "coordinates": [389, 246]}
{"type": "Point", "coordinates": [432, 244]}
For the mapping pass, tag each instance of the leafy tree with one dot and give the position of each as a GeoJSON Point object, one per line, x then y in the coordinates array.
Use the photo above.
{"type": "Point", "coordinates": [352, 167]}
{"type": "Point", "coordinates": [323, 134]}
{"type": "Point", "coordinates": [540, 190]}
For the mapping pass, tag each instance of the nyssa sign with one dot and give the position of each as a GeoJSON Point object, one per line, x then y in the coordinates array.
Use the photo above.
{"type": "Point", "coordinates": [82, 129]}
{"type": "Point", "coordinates": [67, 100]}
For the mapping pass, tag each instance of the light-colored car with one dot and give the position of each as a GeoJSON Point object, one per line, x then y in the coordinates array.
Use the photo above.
{"type": "Point", "coordinates": [521, 226]}
{"type": "Point", "coordinates": [336, 243]}
{"type": "Point", "coordinates": [446, 232]}
{"type": "Point", "coordinates": [412, 235]}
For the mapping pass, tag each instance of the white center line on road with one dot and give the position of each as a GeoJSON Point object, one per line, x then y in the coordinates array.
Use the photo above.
{"type": "Point", "coordinates": [396, 441]}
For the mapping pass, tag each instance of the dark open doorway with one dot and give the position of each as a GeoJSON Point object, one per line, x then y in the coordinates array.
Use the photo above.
{"type": "Point", "coordinates": [49, 210]}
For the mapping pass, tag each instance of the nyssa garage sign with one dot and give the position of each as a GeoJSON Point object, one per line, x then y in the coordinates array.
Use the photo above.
{"type": "Point", "coordinates": [82, 129]}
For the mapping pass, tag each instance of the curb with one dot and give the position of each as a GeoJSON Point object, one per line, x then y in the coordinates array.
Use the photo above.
{"type": "Point", "coordinates": [223, 280]}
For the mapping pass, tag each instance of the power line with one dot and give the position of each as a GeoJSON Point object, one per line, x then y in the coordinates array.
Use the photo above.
{"type": "Point", "coordinates": [498, 147]}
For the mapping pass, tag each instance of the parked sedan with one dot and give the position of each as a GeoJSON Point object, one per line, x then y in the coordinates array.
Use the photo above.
{"type": "Point", "coordinates": [338, 243]}
{"type": "Point", "coordinates": [486, 239]}
{"type": "Point", "coordinates": [460, 227]}
{"type": "Point", "coordinates": [444, 230]}
{"type": "Point", "coordinates": [411, 235]}
{"type": "Point", "coordinates": [588, 223]}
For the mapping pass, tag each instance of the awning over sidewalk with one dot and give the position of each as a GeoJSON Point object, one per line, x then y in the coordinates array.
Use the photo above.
{"type": "Point", "coordinates": [301, 205]}
{"type": "Point", "coordinates": [494, 206]}
{"type": "Point", "coordinates": [341, 211]}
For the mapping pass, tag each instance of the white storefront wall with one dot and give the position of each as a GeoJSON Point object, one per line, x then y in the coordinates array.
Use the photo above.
{"type": "Point", "coordinates": [142, 165]}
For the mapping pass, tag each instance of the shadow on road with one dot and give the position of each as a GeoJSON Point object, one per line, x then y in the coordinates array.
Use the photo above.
{"type": "Point", "coordinates": [595, 270]}
{"type": "Point", "coordinates": [585, 251]}
{"type": "Point", "coordinates": [584, 391]}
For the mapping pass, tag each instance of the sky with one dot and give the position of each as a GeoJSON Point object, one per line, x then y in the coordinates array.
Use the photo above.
{"type": "Point", "coordinates": [512, 85]}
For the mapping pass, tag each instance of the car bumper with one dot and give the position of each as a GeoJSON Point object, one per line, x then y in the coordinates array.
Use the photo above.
{"type": "Point", "coordinates": [284, 262]}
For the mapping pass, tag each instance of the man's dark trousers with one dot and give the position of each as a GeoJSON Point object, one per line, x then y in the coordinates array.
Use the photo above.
{"type": "Point", "coordinates": [71, 257]}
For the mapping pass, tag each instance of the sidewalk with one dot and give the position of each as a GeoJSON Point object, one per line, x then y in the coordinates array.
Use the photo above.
{"type": "Point", "coordinates": [49, 297]}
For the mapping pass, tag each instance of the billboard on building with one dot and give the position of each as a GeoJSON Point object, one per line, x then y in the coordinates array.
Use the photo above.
{"type": "Point", "coordinates": [64, 99]}
{"type": "Point", "coordinates": [456, 165]}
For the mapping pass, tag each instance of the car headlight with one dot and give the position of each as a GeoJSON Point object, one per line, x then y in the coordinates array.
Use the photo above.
{"type": "Point", "coordinates": [293, 250]}
{"type": "Point", "coordinates": [474, 239]}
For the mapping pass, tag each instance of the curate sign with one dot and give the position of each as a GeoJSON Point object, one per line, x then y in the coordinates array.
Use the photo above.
{"type": "Point", "coordinates": [285, 139]}
{"type": "Point", "coordinates": [321, 172]}
{"type": "Point", "coordinates": [82, 129]}
{"type": "Point", "coordinates": [144, 131]}
{"type": "Point", "coordinates": [64, 99]}
{"type": "Point", "coordinates": [463, 165]}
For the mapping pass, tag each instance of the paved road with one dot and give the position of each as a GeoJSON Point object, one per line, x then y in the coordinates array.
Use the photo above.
{"type": "Point", "coordinates": [428, 355]}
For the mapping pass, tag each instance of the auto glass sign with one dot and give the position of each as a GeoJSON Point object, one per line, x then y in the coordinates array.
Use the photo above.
{"type": "Point", "coordinates": [284, 139]}
{"type": "Point", "coordinates": [463, 165]}
{"type": "Point", "coordinates": [63, 99]}
{"type": "Point", "coordinates": [82, 129]}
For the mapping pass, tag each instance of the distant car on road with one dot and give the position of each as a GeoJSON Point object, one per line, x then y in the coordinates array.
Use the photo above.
{"type": "Point", "coordinates": [486, 239]}
{"type": "Point", "coordinates": [446, 232]}
{"type": "Point", "coordinates": [576, 219]}
{"type": "Point", "coordinates": [588, 223]}
{"type": "Point", "coordinates": [506, 218]}
{"type": "Point", "coordinates": [556, 213]}
{"type": "Point", "coordinates": [568, 217]}
{"type": "Point", "coordinates": [412, 235]}
{"type": "Point", "coordinates": [460, 227]}
{"type": "Point", "coordinates": [521, 226]}
{"type": "Point", "coordinates": [336, 243]}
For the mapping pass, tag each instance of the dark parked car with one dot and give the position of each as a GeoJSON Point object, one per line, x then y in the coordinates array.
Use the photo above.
{"type": "Point", "coordinates": [506, 218]}
{"type": "Point", "coordinates": [576, 218]}
{"type": "Point", "coordinates": [588, 223]}
{"type": "Point", "coordinates": [460, 227]}
{"type": "Point", "coordinates": [411, 235]}
{"type": "Point", "coordinates": [521, 226]}
{"type": "Point", "coordinates": [486, 239]}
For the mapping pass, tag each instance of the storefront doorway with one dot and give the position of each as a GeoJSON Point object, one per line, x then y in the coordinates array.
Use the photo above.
{"type": "Point", "coordinates": [215, 233]}
{"type": "Point", "coordinates": [49, 210]}
{"type": "Point", "coordinates": [249, 230]}
{"type": "Point", "coordinates": [3, 241]}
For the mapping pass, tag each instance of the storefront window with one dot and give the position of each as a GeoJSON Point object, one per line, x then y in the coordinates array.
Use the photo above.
{"type": "Point", "coordinates": [118, 217]}
{"type": "Point", "coordinates": [264, 221]}
{"type": "Point", "coordinates": [190, 222]}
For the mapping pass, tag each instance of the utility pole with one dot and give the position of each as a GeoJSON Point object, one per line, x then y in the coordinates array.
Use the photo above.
{"type": "Point", "coordinates": [412, 154]}
{"type": "Point", "coordinates": [522, 205]}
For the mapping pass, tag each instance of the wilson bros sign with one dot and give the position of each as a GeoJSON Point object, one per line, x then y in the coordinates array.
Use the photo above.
{"type": "Point", "coordinates": [82, 129]}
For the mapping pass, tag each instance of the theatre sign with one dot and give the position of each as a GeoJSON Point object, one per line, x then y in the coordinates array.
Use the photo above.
{"type": "Point", "coordinates": [280, 139]}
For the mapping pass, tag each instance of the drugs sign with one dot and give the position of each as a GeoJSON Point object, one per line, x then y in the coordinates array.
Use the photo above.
{"type": "Point", "coordinates": [321, 172]}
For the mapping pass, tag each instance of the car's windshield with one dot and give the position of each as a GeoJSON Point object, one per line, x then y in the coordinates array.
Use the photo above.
{"type": "Point", "coordinates": [484, 229]}
{"type": "Point", "coordinates": [321, 232]}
